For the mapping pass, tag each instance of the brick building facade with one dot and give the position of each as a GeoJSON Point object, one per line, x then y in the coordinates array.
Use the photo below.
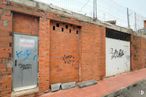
{"type": "Point", "coordinates": [69, 49]}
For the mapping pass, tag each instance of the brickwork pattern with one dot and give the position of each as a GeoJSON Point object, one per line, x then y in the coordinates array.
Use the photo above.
{"type": "Point", "coordinates": [138, 55]}
{"type": "Point", "coordinates": [92, 52]}
{"type": "Point", "coordinates": [85, 41]}
{"type": "Point", "coordinates": [44, 54]}
{"type": "Point", "coordinates": [64, 64]}
{"type": "Point", "coordinates": [5, 52]}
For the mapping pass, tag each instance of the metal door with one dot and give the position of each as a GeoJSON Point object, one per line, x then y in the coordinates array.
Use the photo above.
{"type": "Point", "coordinates": [25, 65]}
{"type": "Point", "coordinates": [117, 56]}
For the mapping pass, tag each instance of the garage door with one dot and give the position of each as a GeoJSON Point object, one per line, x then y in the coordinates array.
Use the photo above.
{"type": "Point", "coordinates": [64, 52]}
{"type": "Point", "coordinates": [117, 53]}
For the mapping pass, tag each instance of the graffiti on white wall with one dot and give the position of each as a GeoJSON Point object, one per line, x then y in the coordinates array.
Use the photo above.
{"type": "Point", "coordinates": [117, 53]}
{"type": "Point", "coordinates": [117, 56]}
{"type": "Point", "coordinates": [25, 66]}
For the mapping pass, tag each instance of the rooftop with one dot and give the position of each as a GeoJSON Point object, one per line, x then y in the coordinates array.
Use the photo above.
{"type": "Point", "coordinates": [68, 13]}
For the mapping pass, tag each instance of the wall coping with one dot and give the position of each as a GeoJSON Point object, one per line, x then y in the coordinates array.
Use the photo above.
{"type": "Point", "coordinates": [68, 13]}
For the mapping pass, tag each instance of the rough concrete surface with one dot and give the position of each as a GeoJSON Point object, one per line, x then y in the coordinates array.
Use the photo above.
{"type": "Point", "coordinates": [55, 87]}
{"type": "Point", "coordinates": [87, 83]}
{"type": "Point", "coordinates": [68, 85]}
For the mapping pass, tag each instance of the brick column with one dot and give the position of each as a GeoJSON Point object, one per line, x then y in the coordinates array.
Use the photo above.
{"type": "Point", "coordinates": [5, 53]}
{"type": "Point", "coordinates": [44, 54]}
{"type": "Point", "coordinates": [92, 52]}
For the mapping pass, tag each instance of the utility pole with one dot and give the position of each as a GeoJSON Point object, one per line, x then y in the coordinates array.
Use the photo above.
{"type": "Point", "coordinates": [94, 10]}
{"type": "Point", "coordinates": [135, 18]}
{"type": "Point", "coordinates": [128, 19]}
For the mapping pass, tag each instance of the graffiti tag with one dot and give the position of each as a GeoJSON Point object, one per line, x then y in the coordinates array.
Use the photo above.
{"type": "Point", "coordinates": [25, 66]}
{"type": "Point", "coordinates": [68, 59]}
{"type": "Point", "coordinates": [116, 53]}
{"type": "Point", "coordinates": [25, 54]}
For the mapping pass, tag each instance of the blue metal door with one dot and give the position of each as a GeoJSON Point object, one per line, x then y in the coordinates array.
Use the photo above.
{"type": "Point", "coordinates": [25, 67]}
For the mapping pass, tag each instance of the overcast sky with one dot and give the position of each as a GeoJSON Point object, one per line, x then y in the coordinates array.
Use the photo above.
{"type": "Point", "coordinates": [137, 5]}
{"type": "Point", "coordinates": [106, 9]}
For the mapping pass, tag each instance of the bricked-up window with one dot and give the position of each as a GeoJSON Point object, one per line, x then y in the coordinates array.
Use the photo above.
{"type": "Point", "coordinates": [65, 27]}
{"type": "Point", "coordinates": [65, 46]}
{"type": "Point", "coordinates": [25, 24]}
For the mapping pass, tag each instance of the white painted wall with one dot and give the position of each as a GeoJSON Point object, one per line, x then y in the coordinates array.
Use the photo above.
{"type": "Point", "coordinates": [117, 56]}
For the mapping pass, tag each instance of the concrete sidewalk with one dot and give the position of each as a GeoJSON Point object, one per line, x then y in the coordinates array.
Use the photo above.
{"type": "Point", "coordinates": [104, 87]}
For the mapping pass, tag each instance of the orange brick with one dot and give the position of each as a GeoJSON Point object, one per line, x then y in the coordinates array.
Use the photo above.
{"type": "Point", "coordinates": [138, 55]}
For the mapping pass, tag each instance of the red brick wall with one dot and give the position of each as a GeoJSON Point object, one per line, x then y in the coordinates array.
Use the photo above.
{"type": "Point", "coordinates": [64, 64]}
{"type": "Point", "coordinates": [6, 43]}
{"type": "Point", "coordinates": [5, 82]}
{"type": "Point", "coordinates": [138, 54]}
{"type": "Point", "coordinates": [88, 48]}
{"type": "Point", "coordinates": [5, 33]}
{"type": "Point", "coordinates": [44, 54]}
{"type": "Point", "coordinates": [5, 52]}
{"type": "Point", "coordinates": [92, 52]}
{"type": "Point", "coordinates": [143, 52]}
{"type": "Point", "coordinates": [25, 24]}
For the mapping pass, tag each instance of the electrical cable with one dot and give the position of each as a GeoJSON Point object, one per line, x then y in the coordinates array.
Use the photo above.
{"type": "Point", "coordinates": [84, 5]}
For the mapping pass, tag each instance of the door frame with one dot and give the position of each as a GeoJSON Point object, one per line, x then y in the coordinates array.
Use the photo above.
{"type": "Point", "coordinates": [117, 35]}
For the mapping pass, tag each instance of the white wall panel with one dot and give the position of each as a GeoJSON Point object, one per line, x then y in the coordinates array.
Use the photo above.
{"type": "Point", "coordinates": [117, 56]}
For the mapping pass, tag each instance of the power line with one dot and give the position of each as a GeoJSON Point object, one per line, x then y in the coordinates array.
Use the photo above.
{"type": "Point", "coordinates": [84, 5]}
